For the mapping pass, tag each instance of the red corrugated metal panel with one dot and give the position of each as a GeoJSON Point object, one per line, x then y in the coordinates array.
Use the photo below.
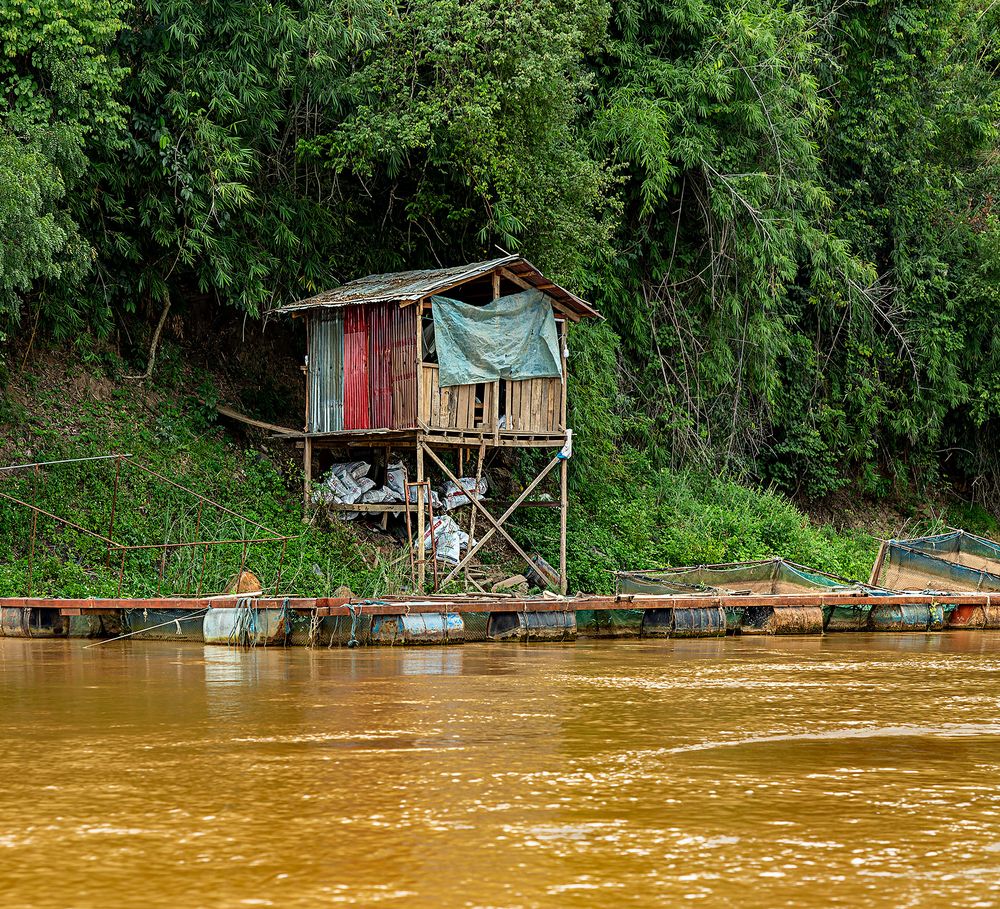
{"type": "Point", "coordinates": [380, 363]}
{"type": "Point", "coordinates": [403, 358]}
{"type": "Point", "coordinates": [356, 407]}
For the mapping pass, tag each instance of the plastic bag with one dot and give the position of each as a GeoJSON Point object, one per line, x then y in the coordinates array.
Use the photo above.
{"type": "Point", "coordinates": [453, 495]}
{"type": "Point", "coordinates": [449, 539]}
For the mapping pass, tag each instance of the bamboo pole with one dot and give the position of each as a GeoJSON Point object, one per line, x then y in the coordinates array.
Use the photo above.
{"type": "Point", "coordinates": [563, 515]}
{"type": "Point", "coordinates": [475, 494]}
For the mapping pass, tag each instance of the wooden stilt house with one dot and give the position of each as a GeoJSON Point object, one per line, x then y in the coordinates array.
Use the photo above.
{"type": "Point", "coordinates": [469, 358]}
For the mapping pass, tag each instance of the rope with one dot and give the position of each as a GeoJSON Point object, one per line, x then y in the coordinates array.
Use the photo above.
{"type": "Point", "coordinates": [245, 624]}
{"type": "Point", "coordinates": [285, 617]}
{"type": "Point", "coordinates": [187, 618]}
{"type": "Point", "coordinates": [352, 641]}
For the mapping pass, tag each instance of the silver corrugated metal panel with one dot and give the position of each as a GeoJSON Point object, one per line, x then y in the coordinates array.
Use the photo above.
{"type": "Point", "coordinates": [415, 285]}
{"type": "Point", "coordinates": [326, 373]}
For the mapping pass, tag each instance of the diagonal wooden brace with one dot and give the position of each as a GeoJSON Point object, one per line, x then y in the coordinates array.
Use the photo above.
{"type": "Point", "coordinates": [496, 528]}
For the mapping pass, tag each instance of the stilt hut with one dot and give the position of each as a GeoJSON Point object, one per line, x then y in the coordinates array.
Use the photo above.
{"type": "Point", "coordinates": [469, 358]}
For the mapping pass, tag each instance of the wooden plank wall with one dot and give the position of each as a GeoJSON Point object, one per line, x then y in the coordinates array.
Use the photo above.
{"type": "Point", "coordinates": [534, 405]}
{"type": "Point", "coordinates": [448, 408]}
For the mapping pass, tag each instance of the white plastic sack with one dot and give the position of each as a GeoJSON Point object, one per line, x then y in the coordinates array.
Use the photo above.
{"type": "Point", "coordinates": [395, 478]}
{"type": "Point", "coordinates": [378, 496]}
{"type": "Point", "coordinates": [449, 539]}
{"type": "Point", "coordinates": [453, 495]}
{"type": "Point", "coordinates": [343, 484]}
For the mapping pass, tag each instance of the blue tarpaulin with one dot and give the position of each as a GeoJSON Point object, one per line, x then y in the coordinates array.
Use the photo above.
{"type": "Point", "coordinates": [513, 337]}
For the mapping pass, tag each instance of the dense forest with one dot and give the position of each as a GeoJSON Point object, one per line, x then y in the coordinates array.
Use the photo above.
{"type": "Point", "coordinates": [786, 211]}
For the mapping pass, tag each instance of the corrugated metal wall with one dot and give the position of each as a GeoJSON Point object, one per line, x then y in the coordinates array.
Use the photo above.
{"type": "Point", "coordinates": [363, 368]}
{"type": "Point", "coordinates": [326, 372]}
{"type": "Point", "coordinates": [356, 389]}
{"type": "Point", "coordinates": [403, 366]}
{"type": "Point", "coordinates": [380, 363]}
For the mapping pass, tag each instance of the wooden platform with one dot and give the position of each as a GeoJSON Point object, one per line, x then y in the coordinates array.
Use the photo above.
{"type": "Point", "coordinates": [439, 438]}
{"type": "Point", "coordinates": [330, 606]}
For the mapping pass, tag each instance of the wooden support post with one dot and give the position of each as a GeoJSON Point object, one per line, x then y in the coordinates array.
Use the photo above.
{"type": "Point", "coordinates": [563, 513]}
{"type": "Point", "coordinates": [563, 348]}
{"type": "Point", "coordinates": [421, 569]}
{"type": "Point", "coordinates": [877, 567]}
{"type": "Point", "coordinates": [497, 524]}
{"type": "Point", "coordinates": [307, 472]}
{"type": "Point", "coordinates": [472, 518]}
{"type": "Point", "coordinates": [385, 482]}
{"type": "Point", "coordinates": [305, 372]}
{"type": "Point", "coordinates": [495, 416]}
{"type": "Point", "coordinates": [419, 308]}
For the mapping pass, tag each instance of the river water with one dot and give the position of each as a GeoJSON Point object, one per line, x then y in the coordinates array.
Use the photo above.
{"type": "Point", "coordinates": [853, 770]}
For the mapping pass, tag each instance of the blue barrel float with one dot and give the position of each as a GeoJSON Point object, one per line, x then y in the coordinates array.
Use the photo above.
{"type": "Point", "coordinates": [32, 622]}
{"type": "Point", "coordinates": [685, 622]}
{"type": "Point", "coordinates": [418, 628]}
{"type": "Point", "coordinates": [246, 625]}
{"type": "Point", "coordinates": [559, 625]}
{"type": "Point", "coordinates": [907, 617]}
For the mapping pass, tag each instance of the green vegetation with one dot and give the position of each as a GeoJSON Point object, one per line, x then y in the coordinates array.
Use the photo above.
{"type": "Point", "coordinates": [637, 516]}
{"type": "Point", "coordinates": [78, 412]}
{"type": "Point", "coordinates": [786, 212]}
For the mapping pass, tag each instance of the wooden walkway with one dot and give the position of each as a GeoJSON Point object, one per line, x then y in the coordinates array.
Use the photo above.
{"type": "Point", "coordinates": [328, 606]}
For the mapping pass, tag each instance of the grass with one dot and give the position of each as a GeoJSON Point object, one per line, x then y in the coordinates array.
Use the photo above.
{"type": "Point", "coordinates": [73, 406]}
{"type": "Point", "coordinates": [81, 413]}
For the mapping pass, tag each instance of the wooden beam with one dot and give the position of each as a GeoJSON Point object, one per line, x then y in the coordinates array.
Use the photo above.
{"type": "Point", "coordinates": [307, 471]}
{"type": "Point", "coordinates": [495, 603]}
{"type": "Point", "coordinates": [520, 282]}
{"type": "Point", "coordinates": [422, 569]}
{"type": "Point", "coordinates": [305, 425]}
{"type": "Point", "coordinates": [420, 362]}
{"type": "Point", "coordinates": [232, 414]}
{"type": "Point", "coordinates": [497, 528]}
{"type": "Point", "coordinates": [475, 492]}
{"type": "Point", "coordinates": [877, 567]}
{"type": "Point", "coordinates": [371, 507]}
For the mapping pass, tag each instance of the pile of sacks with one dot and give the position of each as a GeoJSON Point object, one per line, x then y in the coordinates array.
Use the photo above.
{"type": "Point", "coordinates": [349, 484]}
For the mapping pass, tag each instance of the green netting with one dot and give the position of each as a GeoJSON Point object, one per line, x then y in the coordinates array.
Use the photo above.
{"type": "Point", "coordinates": [162, 624]}
{"type": "Point", "coordinates": [475, 625]}
{"type": "Point", "coordinates": [951, 561]}
{"type": "Point", "coordinates": [766, 576]}
{"type": "Point", "coordinates": [609, 622]}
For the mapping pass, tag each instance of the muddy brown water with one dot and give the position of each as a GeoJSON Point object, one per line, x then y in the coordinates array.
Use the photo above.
{"type": "Point", "coordinates": [853, 770]}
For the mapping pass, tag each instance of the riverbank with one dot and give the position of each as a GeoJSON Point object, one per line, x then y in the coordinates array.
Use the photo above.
{"type": "Point", "coordinates": [57, 402]}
